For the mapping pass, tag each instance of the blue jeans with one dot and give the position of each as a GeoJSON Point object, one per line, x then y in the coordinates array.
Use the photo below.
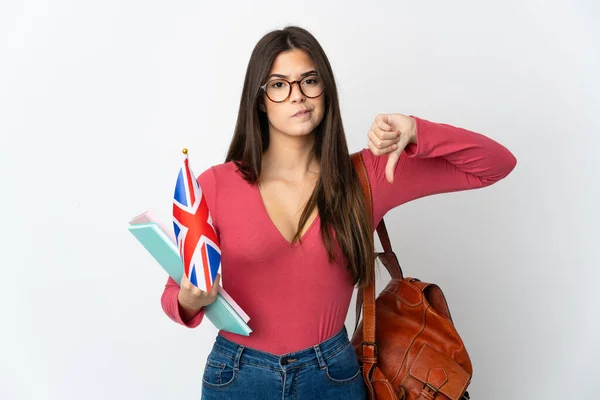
{"type": "Point", "coordinates": [328, 370]}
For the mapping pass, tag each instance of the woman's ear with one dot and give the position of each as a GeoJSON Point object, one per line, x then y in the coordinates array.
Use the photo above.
{"type": "Point", "coordinates": [261, 107]}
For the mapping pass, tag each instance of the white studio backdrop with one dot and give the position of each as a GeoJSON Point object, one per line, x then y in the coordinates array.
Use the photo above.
{"type": "Point", "coordinates": [97, 99]}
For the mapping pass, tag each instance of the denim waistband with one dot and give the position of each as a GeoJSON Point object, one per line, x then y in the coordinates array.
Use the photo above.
{"type": "Point", "coordinates": [316, 354]}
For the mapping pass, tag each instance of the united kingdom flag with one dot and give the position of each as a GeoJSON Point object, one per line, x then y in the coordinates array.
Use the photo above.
{"type": "Point", "coordinates": [196, 236]}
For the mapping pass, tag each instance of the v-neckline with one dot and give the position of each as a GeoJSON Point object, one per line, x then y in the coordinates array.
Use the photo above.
{"type": "Point", "coordinates": [277, 231]}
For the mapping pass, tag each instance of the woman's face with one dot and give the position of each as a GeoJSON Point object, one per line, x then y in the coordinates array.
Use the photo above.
{"type": "Point", "coordinates": [284, 117]}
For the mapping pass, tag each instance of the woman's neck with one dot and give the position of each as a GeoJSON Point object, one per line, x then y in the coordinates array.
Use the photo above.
{"type": "Point", "coordinates": [289, 158]}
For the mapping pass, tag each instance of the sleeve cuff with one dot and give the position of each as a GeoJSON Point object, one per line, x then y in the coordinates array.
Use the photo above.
{"type": "Point", "coordinates": [192, 323]}
{"type": "Point", "coordinates": [416, 149]}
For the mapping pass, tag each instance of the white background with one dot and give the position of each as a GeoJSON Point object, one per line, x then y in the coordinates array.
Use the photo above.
{"type": "Point", "coordinates": [97, 99]}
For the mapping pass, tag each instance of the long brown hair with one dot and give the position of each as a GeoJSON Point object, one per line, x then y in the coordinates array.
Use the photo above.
{"type": "Point", "coordinates": [337, 193]}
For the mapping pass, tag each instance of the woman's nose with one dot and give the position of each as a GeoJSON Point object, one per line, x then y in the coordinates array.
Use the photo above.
{"type": "Point", "coordinates": [296, 94]}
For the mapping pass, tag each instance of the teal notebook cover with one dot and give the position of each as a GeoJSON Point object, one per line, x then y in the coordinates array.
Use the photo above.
{"type": "Point", "coordinates": [165, 252]}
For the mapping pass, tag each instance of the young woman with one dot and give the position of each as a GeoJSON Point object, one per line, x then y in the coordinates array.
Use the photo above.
{"type": "Point", "coordinates": [290, 216]}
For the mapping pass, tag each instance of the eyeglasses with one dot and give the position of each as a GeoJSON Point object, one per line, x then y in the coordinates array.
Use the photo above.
{"type": "Point", "coordinates": [278, 90]}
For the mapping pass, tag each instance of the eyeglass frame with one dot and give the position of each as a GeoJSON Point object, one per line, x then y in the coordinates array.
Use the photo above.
{"type": "Point", "coordinates": [264, 88]}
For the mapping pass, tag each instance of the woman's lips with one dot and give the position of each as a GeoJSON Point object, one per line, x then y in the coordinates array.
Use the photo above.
{"type": "Point", "coordinates": [302, 113]}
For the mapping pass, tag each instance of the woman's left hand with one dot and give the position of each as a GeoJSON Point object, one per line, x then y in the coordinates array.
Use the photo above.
{"type": "Point", "coordinates": [391, 133]}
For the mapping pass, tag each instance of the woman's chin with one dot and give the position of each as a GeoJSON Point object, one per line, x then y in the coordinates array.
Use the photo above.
{"type": "Point", "coordinates": [296, 131]}
{"type": "Point", "coordinates": [303, 133]}
{"type": "Point", "coordinates": [299, 132]}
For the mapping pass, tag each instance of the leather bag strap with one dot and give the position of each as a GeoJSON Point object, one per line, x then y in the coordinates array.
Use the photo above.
{"type": "Point", "coordinates": [365, 300]}
{"type": "Point", "coordinates": [367, 295]}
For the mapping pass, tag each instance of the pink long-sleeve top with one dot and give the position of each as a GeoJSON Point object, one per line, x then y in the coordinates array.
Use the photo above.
{"type": "Point", "coordinates": [294, 296]}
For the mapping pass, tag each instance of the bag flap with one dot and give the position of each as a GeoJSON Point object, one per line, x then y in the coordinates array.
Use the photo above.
{"type": "Point", "coordinates": [440, 372]}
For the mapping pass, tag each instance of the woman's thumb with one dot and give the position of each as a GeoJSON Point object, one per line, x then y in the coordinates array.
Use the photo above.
{"type": "Point", "coordinates": [184, 280]}
{"type": "Point", "coordinates": [390, 167]}
{"type": "Point", "coordinates": [216, 285]}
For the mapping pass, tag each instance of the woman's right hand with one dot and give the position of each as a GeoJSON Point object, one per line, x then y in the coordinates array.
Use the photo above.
{"type": "Point", "coordinates": [192, 299]}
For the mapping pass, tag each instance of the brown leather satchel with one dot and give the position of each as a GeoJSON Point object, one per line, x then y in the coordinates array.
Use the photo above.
{"type": "Point", "coordinates": [406, 342]}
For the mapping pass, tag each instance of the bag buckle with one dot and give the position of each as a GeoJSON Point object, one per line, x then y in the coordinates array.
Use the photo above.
{"type": "Point", "coordinates": [428, 392]}
{"type": "Point", "coordinates": [433, 389]}
{"type": "Point", "coordinates": [369, 344]}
